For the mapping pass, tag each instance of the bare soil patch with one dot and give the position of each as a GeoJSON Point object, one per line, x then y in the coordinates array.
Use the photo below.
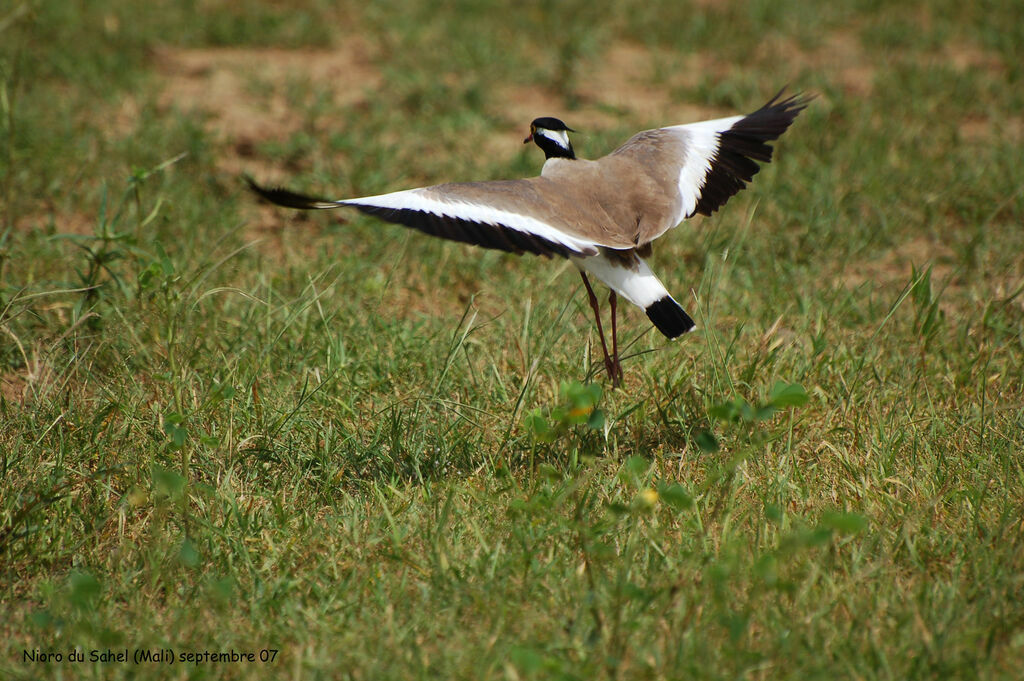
{"type": "Point", "coordinates": [627, 81]}
{"type": "Point", "coordinates": [243, 93]}
{"type": "Point", "coordinates": [642, 81]}
{"type": "Point", "coordinates": [896, 268]}
{"type": "Point", "coordinates": [897, 265]}
{"type": "Point", "coordinates": [965, 57]}
{"type": "Point", "coordinates": [839, 58]}
{"type": "Point", "coordinates": [50, 220]}
{"type": "Point", "coordinates": [983, 129]}
{"type": "Point", "coordinates": [248, 96]}
{"type": "Point", "coordinates": [12, 387]}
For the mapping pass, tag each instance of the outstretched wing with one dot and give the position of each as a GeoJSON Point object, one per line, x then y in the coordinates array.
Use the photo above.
{"type": "Point", "coordinates": [512, 215]}
{"type": "Point", "coordinates": [709, 162]}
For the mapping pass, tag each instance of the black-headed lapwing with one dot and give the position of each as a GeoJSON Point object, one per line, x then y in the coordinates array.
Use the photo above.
{"type": "Point", "coordinates": [604, 214]}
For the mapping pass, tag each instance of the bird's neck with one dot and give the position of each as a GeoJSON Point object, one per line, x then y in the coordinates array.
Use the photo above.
{"type": "Point", "coordinates": [555, 148]}
{"type": "Point", "coordinates": [557, 151]}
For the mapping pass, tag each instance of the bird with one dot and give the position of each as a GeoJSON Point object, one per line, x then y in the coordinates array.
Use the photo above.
{"type": "Point", "coordinates": [604, 214]}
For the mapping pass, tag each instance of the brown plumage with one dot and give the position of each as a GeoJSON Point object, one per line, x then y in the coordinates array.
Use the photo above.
{"type": "Point", "coordinates": [602, 214]}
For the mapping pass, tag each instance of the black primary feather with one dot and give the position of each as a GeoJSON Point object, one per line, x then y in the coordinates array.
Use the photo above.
{"type": "Point", "coordinates": [742, 146]}
{"type": "Point", "coordinates": [289, 199]}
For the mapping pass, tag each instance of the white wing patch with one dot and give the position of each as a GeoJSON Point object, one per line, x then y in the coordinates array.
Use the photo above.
{"type": "Point", "coordinates": [702, 142]}
{"type": "Point", "coordinates": [421, 200]}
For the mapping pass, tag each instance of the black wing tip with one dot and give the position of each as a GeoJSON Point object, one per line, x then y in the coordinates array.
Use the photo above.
{"type": "Point", "coordinates": [669, 317]}
{"type": "Point", "coordinates": [774, 118]}
{"type": "Point", "coordinates": [746, 144]}
{"type": "Point", "coordinates": [794, 103]}
{"type": "Point", "coordinates": [287, 198]}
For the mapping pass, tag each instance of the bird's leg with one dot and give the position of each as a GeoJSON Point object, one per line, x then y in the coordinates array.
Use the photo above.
{"type": "Point", "coordinates": [617, 376]}
{"type": "Point", "coordinates": [608, 365]}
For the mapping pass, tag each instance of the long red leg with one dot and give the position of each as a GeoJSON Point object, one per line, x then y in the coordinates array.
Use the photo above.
{"type": "Point", "coordinates": [608, 365]}
{"type": "Point", "coordinates": [617, 376]}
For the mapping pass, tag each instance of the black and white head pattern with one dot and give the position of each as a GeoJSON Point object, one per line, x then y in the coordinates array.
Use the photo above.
{"type": "Point", "coordinates": [552, 136]}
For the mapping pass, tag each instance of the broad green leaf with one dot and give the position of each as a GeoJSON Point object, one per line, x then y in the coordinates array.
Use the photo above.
{"type": "Point", "coordinates": [538, 425]}
{"type": "Point", "coordinates": [175, 430]}
{"type": "Point", "coordinates": [725, 411]}
{"type": "Point", "coordinates": [84, 589]}
{"type": "Point", "coordinates": [773, 513]}
{"type": "Point", "coordinates": [636, 465]}
{"type": "Point", "coordinates": [675, 496]}
{"type": "Point", "coordinates": [787, 395]}
{"type": "Point", "coordinates": [187, 554]}
{"type": "Point", "coordinates": [706, 441]}
{"type": "Point", "coordinates": [848, 523]}
{"type": "Point", "coordinates": [166, 482]}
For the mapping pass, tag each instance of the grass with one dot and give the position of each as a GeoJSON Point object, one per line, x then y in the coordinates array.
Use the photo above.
{"type": "Point", "coordinates": [227, 427]}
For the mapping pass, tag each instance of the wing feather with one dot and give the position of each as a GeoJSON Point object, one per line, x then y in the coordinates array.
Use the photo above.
{"type": "Point", "coordinates": [478, 213]}
{"type": "Point", "coordinates": [740, 147]}
{"type": "Point", "coordinates": [704, 164]}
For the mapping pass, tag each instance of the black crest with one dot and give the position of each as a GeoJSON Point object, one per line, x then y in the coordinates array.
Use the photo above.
{"type": "Point", "coordinates": [549, 123]}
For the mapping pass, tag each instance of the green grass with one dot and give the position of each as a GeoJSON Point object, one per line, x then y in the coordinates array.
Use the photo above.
{"type": "Point", "coordinates": [383, 456]}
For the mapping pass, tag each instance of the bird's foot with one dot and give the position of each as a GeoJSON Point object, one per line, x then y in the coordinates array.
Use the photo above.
{"type": "Point", "coordinates": [614, 369]}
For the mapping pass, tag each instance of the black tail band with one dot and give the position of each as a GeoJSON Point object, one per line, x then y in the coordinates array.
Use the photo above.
{"type": "Point", "coordinates": [670, 317]}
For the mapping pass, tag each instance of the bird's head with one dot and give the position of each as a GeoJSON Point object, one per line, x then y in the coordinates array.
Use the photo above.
{"type": "Point", "coordinates": [551, 135]}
